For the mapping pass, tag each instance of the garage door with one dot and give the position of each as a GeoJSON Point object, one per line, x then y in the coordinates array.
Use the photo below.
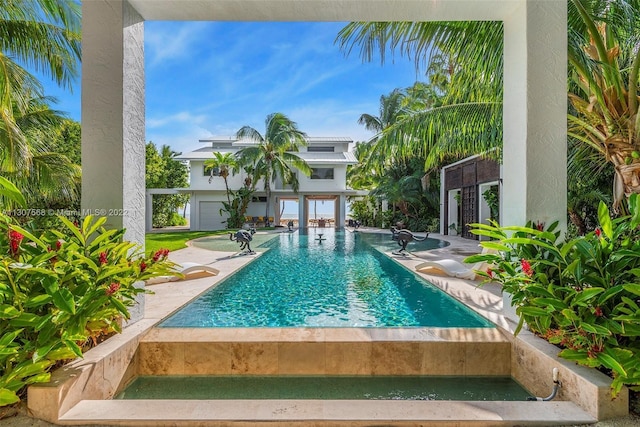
{"type": "Point", "coordinates": [209, 215]}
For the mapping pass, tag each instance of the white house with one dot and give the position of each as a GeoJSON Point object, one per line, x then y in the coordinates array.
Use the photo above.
{"type": "Point", "coordinates": [327, 156]}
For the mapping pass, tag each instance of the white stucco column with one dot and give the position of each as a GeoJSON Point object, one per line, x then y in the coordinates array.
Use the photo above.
{"type": "Point", "coordinates": [113, 149]}
{"type": "Point", "coordinates": [383, 208]}
{"type": "Point", "coordinates": [342, 212]}
{"type": "Point", "coordinates": [442, 196]}
{"type": "Point", "coordinates": [302, 212]}
{"type": "Point", "coordinates": [535, 114]}
{"type": "Point", "coordinates": [148, 209]}
{"type": "Point", "coordinates": [113, 146]}
{"type": "Point", "coordinates": [535, 118]}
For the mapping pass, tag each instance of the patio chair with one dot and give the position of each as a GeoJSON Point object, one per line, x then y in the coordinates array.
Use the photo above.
{"type": "Point", "coordinates": [453, 268]}
{"type": "Point", "coordinates": [188, 271]}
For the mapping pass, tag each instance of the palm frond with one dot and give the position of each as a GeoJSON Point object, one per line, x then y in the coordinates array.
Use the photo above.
{"type": "Point", "coordinates": [44, 35]}
{"type": "Point", "coordinates": [476, 45]}
{"type": "Point", "coordinates": [249, 133]}
{"type": "Point", "coordinates": [459, 130]}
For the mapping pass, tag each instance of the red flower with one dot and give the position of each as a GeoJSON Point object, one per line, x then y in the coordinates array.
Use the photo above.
{"type": "Point", "coordinates": [53, 259]}
{"type": "Point", "coordinates": [598, 232]}
{"type": "Point", "coordinates": [112, 289]}
{"type": "Point", "coordinates": [594, 350]}
{"type": "Point", "coordinates": [526, 267]}
{"type": "Point", "coordinates": [540, 226]}
{"type": "Point", "coordinates": [598, 312]}
{"type": "Point", "coordinates": [15, 238]}
{"type": "Point", "coordinates": [143, 266]}
{"type": "Point", "coordinates": [490, 272]}
{"type": "Point", "coordinates": [58, 244]}
{"type": "Point", "coordinates": [160, 254]}
{"type": "Point", "coordinates": [103, 258]}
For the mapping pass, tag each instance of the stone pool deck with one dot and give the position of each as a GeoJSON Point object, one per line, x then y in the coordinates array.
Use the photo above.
{"type": "Point", "coordinates": [81, 393]}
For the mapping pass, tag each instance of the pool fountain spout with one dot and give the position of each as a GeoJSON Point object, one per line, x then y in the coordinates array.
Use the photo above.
{"type": "Point", "coordinates": [320, 238]}
{"type": "Point", "coordinates": [556, 386]}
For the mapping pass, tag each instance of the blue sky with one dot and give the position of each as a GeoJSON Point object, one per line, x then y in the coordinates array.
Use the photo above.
{"type": "Point", "coordinates": [208, 79]}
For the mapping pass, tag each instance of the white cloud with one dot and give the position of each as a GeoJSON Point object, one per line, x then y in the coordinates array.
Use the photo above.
{"type": "Point", "coordinates": [172, 119]}
{"type": "Point", "coordinates": [166, 42]}
{"type": "Point", "coordinates": [331, 118]}
{"type": "Point", "coordinates": [182, 138]}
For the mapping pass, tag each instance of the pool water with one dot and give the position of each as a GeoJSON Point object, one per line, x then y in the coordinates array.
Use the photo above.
{"type": "Point", "coordinates": [325, 387]}
{"type": "Point", "coordinates": [341, 281]}
{"type": "Point", "coordinates": [383, 242]}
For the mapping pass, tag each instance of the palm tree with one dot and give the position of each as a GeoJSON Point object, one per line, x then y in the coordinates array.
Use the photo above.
{"type": "Point", "coordinates": [390, 111]}
{"type": "Point", "coordinates": [272, 156]}
{"type": "Point", "coordinates": [41, 175]}
{"type": "Point", "coordinates": [222, 165]}
{"type": "Point", "coordinates": [364, 175]}
{"type": "Point", "coordinates": [467, 118]}
{"type": "Point", "coordinates": [605, 68]}
{"type": "Point", "coordinates": [603, 57]}
{"type": "Point", "coordinates": [45, 35]}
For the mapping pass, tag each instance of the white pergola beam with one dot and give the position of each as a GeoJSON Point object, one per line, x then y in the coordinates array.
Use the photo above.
{"type": "Point", "coordinates": [326, 10]}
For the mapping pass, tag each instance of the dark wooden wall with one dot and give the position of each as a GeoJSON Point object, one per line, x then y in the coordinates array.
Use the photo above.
{"type": "Point", "coordinates": [467, 176]}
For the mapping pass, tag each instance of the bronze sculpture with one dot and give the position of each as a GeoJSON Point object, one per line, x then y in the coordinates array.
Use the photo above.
{"type": "Point", "coordinates": [403, 237]}
{"type": "Point", "coordinates": [244, 237]}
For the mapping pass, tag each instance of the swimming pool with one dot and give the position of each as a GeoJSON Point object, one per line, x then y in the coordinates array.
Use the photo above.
{"type": "Point", "coordinates": [341, 281]}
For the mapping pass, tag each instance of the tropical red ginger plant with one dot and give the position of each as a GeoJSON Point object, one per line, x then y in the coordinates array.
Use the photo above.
{"type": "Point", "coordinates": [60, 291]}
{"type": "Point", "coordinates": [582, 294]}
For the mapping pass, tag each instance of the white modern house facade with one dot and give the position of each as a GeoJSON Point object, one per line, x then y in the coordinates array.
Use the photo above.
{"type": "Point", "coordinates": [328, 158]}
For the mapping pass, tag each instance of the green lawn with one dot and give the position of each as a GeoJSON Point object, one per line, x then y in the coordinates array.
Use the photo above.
{"type": "Point", "coordinates": [176, 240]}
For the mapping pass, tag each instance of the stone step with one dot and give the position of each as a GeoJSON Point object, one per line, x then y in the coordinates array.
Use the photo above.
{"type": "Point", "coordinates": [168, 351]}
{"type": "Point", "coordinates": [330, 413]}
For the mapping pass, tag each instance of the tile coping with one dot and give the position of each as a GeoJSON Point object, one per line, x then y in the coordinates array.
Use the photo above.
{"type": "Point", "coordinates": [324, 412]}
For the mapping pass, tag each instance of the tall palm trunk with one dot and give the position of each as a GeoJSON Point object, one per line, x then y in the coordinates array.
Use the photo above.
{"type": "Point", "coordinates": [226, 184]}
{"type": "Point", "coordinates": [267, 189]}
{"type": "Point", "coordinates": [627, 167]}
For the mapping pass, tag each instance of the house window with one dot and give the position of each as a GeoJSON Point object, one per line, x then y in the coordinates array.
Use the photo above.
{"type": "Point", "coordinates": [206, 171]}
{"type": "Point", "coordinates": [320, 149]}
{"type": "Point", "coordinates": [322, 173]}
{"type": "Point", "coordinates": [262, 199]}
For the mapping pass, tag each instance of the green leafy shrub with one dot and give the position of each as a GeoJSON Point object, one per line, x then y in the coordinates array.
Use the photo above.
{"type": "Point", "coordinates": [582, 294]}
{"type": "Point", "coordinates": [362, 211]}
{"type": "Point", "coordinates": [59, 292]}
{"type": "Point", "coordinates": [177, 219]}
